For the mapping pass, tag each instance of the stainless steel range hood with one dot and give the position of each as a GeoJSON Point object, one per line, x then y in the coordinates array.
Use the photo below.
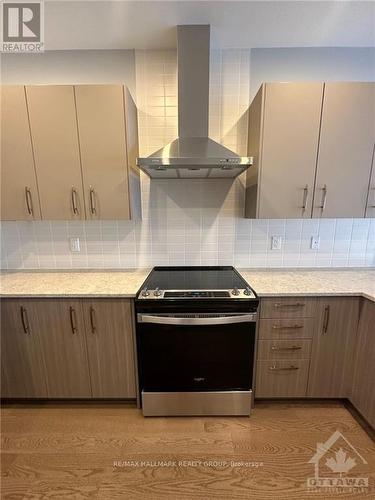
{"type": "Point", "coordinates": [193, 155]}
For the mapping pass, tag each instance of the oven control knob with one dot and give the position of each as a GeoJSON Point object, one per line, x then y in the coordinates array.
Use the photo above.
{"type": "Point", "coordinates": [235, 291]}
{"type": "Point", "coordinates": [145, 292]}
{"type": "Point", "coordinates": [247, 291]}
{"type": "Point", "coordinates": [157, 292]}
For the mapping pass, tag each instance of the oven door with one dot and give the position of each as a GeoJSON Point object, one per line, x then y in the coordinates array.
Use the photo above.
{"type": "Point", "coordinates": [196, 352]}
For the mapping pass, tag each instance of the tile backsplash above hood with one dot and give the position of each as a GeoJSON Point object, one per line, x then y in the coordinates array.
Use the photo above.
{"type": "Point", "coordinates": [193, 154]}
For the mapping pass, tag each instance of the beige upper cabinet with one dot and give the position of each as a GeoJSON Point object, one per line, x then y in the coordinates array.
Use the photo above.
{"type": "Point", "coordinates": [284, 122]}
{"type": "Point", "coordinates": [19, 192]}
{"type": "Point", "coordinates": [110, 347]}
{"type": "Point", "coordinates": [345, 150]}
{"type": "Point", "coordinates": [331, 368]}
{"type": "Point", "coordinates": [57, 159]}
{"type": "Point", "coordinates": [370, 205]}
{"type": "Point", "coordinates": [103, 136]}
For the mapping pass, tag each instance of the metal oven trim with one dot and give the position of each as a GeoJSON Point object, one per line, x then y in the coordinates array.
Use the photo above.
{"type": "Point", "coordinates": [196, 403]}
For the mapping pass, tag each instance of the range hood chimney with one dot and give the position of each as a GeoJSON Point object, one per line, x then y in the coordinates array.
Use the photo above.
{"type": "Point", "coordinates": [193, 155]}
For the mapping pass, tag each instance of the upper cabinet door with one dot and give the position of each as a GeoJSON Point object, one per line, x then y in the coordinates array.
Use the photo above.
{"type": "Point", "coordinates": [370, 206]}
{"type": "Point", "coordinates": [55, 138]}
{"type": "Point", "coordinates": [102, 134]}
{"type": "Point", "coordinates": [291, 121]}
{"type": "Point", "coordinates": [345, 150]}
{"type": "Point", "coordinates": [19, 193]}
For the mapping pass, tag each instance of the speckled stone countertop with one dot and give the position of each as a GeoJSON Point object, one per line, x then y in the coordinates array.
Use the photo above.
{"type": "Point", "coordinates": [126, 283]}
{"type": "Point", "coordinates": [292, 282]}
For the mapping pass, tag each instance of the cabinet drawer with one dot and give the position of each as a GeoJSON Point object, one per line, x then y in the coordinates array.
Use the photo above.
{"type": "Point", "coordinates": [285, 329]}
{"type": "Point", "coordinates": [288, 307]}
{"type": "Point", "coordinates": [284, 349]}
{"type": "Point", "coordinates": [281, 378]}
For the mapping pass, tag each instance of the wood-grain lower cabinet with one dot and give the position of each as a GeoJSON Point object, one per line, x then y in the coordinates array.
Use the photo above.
{"type": "Point", "coordinates": [23, 373]}
{"type": "Point", "coordinates": [363, 387]}
{"type": "Point", "coordinates": [286, 328]}
{"type": "Point", "coordinates": [110, 347]}
{"type": "Point", "coordinates": [61, 332]}
{"type": "Point", "coordinates": [332, 366]}
{"type": "Point", "coordinates": [63, 348]}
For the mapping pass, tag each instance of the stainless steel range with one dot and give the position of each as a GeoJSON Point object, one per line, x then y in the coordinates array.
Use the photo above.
{"type": "Point", "coordinates": [195, 341]}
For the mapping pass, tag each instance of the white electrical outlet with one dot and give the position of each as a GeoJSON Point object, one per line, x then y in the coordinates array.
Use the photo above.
{"type": "Point", "coordinates": [315, 242]}
{"type": "Point", "coordinates": [276, 242]}
{"type": "Point", "coordinates": [75, 246]}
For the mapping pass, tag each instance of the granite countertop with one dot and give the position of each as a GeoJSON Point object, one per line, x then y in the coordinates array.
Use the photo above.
{"type": "Point", "coordinates": [292, 282]}
{"type": "Point", "coordinates": [126, 283]}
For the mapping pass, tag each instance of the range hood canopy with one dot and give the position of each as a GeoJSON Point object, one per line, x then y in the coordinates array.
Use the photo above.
{"type": "Point", "coordinates": [193, 154]}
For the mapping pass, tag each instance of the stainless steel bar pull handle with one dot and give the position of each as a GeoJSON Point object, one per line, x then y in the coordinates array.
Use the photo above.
{"type": "Point", "coordinates": [74, 196]}
{"type": "Point", "coordinates": [287, 327]}
{"type": "Point", "coordinates": [92, 201]}
{"type": "Point", "coordinates": [283, 368]}
{"type": "Point", "coordinates": [371, 206]}
{"type": "Point", "coordinates": [73, 320]}
{"type": "Point", "coordinates": [25, 320]}
{"type": "Point", "coordinates": [29, 201]}
{"type": "Point", "coordinates": [305, 198]}
{"type": "Point", "coordinates": [92, 320]}
{"type": "Point", "coordinates": [291, 348]}
{"type": "Point", "coordinates": [324, 198]}
{"type": "Point", "coordinates": [172, 320]}
{"type": "Point", "coordinates": [279, 305]}
{"type": "Point", "coordinates": [326, 319]}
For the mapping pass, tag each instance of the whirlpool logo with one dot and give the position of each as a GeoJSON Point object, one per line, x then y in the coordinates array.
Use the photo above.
{"type": "Point", "coordinates": [23, 27]}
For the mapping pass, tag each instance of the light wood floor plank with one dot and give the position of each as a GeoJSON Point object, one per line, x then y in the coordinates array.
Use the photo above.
{"type": "Point", "coordinates": [61, 451]}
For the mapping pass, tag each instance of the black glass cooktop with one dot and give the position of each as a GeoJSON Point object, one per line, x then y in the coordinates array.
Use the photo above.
{"type": "Point", "coordinates": [195, 278]}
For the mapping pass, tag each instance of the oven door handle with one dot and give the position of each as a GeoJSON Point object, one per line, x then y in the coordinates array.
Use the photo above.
{"type": "Point", "coordinates": [219, 320]}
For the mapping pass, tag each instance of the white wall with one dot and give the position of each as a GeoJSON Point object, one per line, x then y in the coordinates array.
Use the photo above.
{"type": "Point", "coordinates": [192, 222]}
{"type": "Point", "coordinates": [309, 64]}
{"type": "Point", "coordinates": [70, 66]}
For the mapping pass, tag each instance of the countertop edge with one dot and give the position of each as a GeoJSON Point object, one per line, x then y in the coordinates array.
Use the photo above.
{"type": "Point", "coordinates": [68, 295]}
{"type": "Point", "coordinates": [133, 296]}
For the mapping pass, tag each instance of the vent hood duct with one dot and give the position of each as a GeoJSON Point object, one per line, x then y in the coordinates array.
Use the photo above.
{"type": "Point", "coordinates": [193, 155]}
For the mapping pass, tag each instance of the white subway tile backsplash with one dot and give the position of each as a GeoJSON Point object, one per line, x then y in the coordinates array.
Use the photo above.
{"type": "Point", "coordinates": [190, 222]}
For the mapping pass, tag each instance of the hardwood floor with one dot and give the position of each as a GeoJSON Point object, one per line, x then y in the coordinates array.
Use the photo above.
{"type": "Point", "coordinates": [95, 451]}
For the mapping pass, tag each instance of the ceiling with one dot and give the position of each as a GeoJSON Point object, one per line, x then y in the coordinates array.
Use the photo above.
{"type": "Point", "coordinates": [126, 25]}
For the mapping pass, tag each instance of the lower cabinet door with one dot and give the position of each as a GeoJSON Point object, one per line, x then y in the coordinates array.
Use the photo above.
{"type": "Point", "coordinates": [363, 388]}
{"type": "Point", "coordinates": [332, 353]}
{"type": "Point", "coordinates": [110, 347]}
{"type": "Point", "coordinates": [281, 378]}
{"type": "Point", "coordinates": [62, 336]}
{"type": "Point", "coordinates": [22, 366]}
